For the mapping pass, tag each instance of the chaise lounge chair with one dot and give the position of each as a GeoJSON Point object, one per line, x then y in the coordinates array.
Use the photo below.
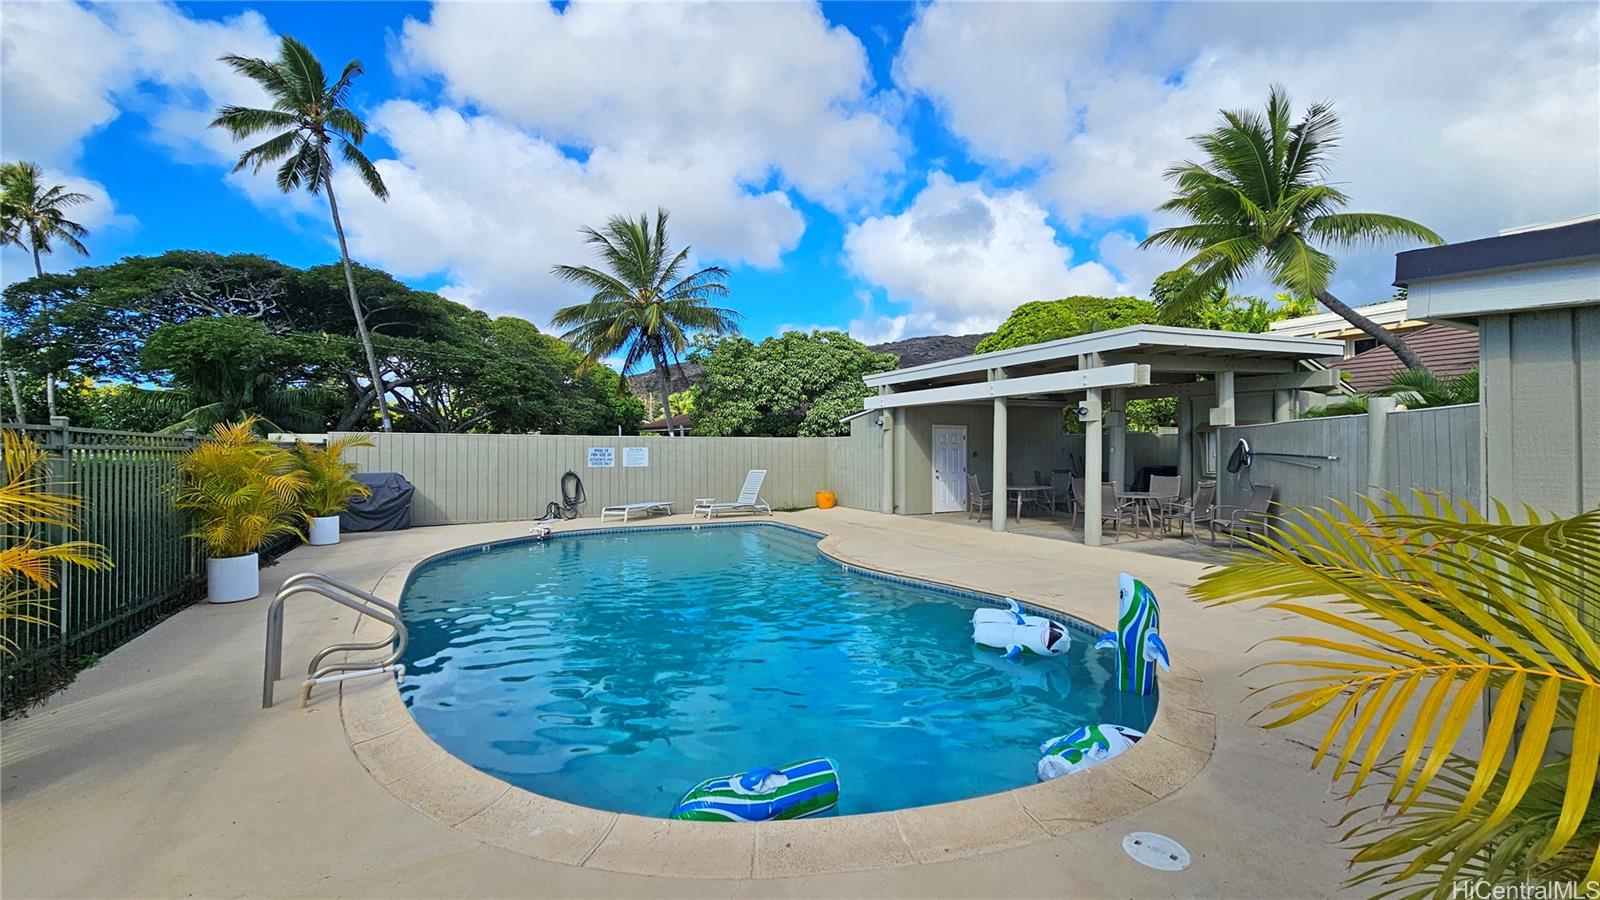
{"type": "Point", "coordinates": [749, 499]}
{"type": "Point", "coordinates": [652, 507]}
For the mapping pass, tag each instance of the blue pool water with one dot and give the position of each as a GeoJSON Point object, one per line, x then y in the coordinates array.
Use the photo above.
{"type": "Point", "coordinates": [618, 670]}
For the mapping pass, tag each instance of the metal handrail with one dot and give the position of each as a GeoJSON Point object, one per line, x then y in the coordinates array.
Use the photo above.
{"type": "Point", "coordinates": [346, 595]}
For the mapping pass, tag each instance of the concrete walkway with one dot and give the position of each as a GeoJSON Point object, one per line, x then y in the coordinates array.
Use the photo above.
{"type": "Point", "coordinates": [157, 774]}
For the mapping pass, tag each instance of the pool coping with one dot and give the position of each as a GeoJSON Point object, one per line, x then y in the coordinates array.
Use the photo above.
{"type": "Point", "coordinates": [401, 757]}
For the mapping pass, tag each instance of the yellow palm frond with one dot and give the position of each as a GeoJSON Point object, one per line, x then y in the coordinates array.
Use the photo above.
{"type": "Point", "coordinates": [330, 487]}
{"type": "Point", "coordinates": [29, 496]}
{"type": "Point", "coordinates": [1433, 610]}
{"type": "Point", "coordinates": [241, 490]}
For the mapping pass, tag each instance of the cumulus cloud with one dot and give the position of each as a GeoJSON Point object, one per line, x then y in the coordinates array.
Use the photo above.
{"type": "Point", "coordinates": [759, 90]}
{"type": "Point", "coordinates": [1466, 117]}
{"type": "Point", "coordinates": [494, 207]}
{"type": "Point", "coordinates": [961, 258]}
{"type": "Point", "coordinates": [69, 70]}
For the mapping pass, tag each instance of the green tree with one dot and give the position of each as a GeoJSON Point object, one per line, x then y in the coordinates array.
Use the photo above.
{"type": "Point", "coordinates": [1052, 320]}
{"type": "Point", "coordinates": [641, 304]}
{"type": "Point", "coordinates": [1261, 198]}
{"type": "Point", "coordinates": [33, 217]}
{"type": "Point", "coordinates": [229, 367]}
{"type": "Point", "coordinates": [310, 117]}
{"type": "Point", "coordinates": [794, 384]}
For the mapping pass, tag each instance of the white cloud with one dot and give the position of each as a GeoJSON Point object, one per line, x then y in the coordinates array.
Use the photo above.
{"type": "Point", "coordinates": [495, 207]}
{"type": "Point", "coordinates": [754, 90]}
{"type": "Point", "coordinates": [70, 70]}
{"type": "Point", "coordinates": [1466, 117]}
{"type": "Point", "coordinates": [962, 258]}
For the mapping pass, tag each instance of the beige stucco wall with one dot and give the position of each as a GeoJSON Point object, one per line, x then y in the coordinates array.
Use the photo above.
{"type": "Point", "coordinates": [1034, 434]}
{"type": "Point", "coordinates": [1541, 408]}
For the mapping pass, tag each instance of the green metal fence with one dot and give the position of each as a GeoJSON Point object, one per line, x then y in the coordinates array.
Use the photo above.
{"type": "Point", "coordinates": [126, 481]}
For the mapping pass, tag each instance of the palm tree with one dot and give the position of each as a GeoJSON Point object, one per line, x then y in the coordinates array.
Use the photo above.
{"type": "Point", "coordinates": [31, 217]}
{"type": "Point", "coordinates": [1261, 198]}
{"type": "Point", "coordinates": [309, 117]}
{"type": "Point", "coordinates": [640, 306]}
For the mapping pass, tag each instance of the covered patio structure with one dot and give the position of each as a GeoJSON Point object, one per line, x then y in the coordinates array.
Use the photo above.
{"type": "Point", "coordinates": [1015, 401]}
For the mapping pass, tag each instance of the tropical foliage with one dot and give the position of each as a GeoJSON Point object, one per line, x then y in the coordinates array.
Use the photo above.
{"type": "Point", "coordinates": [225, 336]}
{"type": "Point", "coordinates": [1261, 197]}
{"type": "Point", "coordinates": [240, 490]}
{"type": "Point", "coordinates": [33, 217]}
{"type": "Point", "coordinates": [1432, 613]}
{"type": "Point", "coordinates": [310, 117]}
{"type": "Point", "coordinates": [1052, 320]}
{"type": "Point", "coordinates": [644, 303]}
{"type": "Point", "coordinates": [798, 383]}
{"type": "Point", "coordinates": [1412, 389]}
{"type": "Point", "coordinates": [330, 482]}
{"type": "Point", "coordinates": [30, 501]}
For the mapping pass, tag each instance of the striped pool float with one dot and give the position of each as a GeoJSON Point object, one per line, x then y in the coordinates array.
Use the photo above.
{"type": "Point", "coordinates": [794, 791]}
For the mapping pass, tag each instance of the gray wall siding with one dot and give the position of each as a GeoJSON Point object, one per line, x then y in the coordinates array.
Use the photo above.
{"type": "Point", "coordinates": [1541, 400]}
{"type": "Point", "coordinates": [1431, 450]}
{"type": "Point", "coordinates": [463, 478]}
{"type": "Point", "coordinates": [855, 465]}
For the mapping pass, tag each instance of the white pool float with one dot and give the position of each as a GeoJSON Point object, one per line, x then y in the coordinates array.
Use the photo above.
{"type": "Point", "coordinates": [1085, 747]}
{"type": "Point", "coordinates": [1009, 630]}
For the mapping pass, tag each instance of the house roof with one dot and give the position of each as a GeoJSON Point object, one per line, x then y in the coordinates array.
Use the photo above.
{"type": "Point", "coordinates": [1390, 314]}
{"type": "Point", "coordinates": [678, 421]}
{"type": "Point", "coordinates": [1179, 349]}
{"type": "Point", "coordinates": [1518, 248]}
{"type": "Point", "coordinates": [1444, 350]}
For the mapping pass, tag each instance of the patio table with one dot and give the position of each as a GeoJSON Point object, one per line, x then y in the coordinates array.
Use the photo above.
{"type": "Point", "coordinates": [1023, 490]}
{"type": "Point", "coordinates": [1147, 501]}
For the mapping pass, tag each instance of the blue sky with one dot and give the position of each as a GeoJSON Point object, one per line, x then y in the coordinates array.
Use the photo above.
{"type": "Point", "coordinates": [888, 168]}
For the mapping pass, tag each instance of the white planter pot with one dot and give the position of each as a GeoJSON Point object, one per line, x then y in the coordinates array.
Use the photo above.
{"type": "Point", "coordinates": [233, 578]}
{"type": "Point", "coordinates": [324, 530]}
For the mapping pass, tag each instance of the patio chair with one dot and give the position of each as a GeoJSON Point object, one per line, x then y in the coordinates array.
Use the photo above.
{"type": "Point", "coordinates": [979, 500]}
{"type": "Point", "coordinates": [749, 498]}
{"type": "Point", "coordinates": [650, 507]}
{"type": "Point", "coordinates": [1046, 500]}
{"type": "Point", "coordinates": [1199, 510]}
{"type": "Point", "coordinates": [1164, 490]}
{"type": "Point", "coordinates": [1247, 519]}
{"type": "Point", "coordinates": [1115, 509]}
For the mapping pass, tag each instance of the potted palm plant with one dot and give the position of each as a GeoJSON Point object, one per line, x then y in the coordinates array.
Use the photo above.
{"type": "Point", "coordinates": [242, 491]}
{"type": "Point", "coordinates": [329, 486]}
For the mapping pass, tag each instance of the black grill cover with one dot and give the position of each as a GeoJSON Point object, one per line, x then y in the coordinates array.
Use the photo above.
{"type": "Point", "coordinates": [388, 509]}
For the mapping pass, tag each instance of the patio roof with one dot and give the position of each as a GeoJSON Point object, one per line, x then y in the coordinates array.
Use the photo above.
{"type": "Point", "coordinates": [1158, 357]}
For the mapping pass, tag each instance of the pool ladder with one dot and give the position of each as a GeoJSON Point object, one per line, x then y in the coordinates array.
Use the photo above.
{"type": "Point", "coordinates": [346, 595]}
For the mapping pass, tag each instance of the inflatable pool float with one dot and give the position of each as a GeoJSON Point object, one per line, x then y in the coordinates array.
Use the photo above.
{"type": "Point", "coordinates": [1137, 639]}
{"type": "Point", "coordinates": [1009, 630]}
{"type": "Point", "coordinates": [1088, 746]}
{"type": "Point", "coordinates": [794, 791]}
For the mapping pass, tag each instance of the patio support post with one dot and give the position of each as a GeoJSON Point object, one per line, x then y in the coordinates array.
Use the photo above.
{"type": "Point", "coordinates": [998, 507]}
{"type": "Point", "coordinates": [1185, 447]}
{"type": "Point", "coordinates": [1378, 410]}
{"type": "Point", "coordinates": [887, 503]}
{"type": "Point", "coordinates": [1282, 406]}
{"type": "Point", "coordinates": [1091, 471]}
{"type": "Point", "coordinates": [1222, 415]}
{"type": "Point", "coordinates": [1117, 447]}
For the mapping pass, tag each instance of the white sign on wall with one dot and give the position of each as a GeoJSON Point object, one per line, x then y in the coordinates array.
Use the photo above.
{"type": "Point", "coordinates": [635, 457]}
{"type": "Point", "coordinates": [602, 457]}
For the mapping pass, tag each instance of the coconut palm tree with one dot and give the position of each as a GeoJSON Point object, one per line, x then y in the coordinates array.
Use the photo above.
{"type": "Point", "coordinates": [308, 118]}
{"type": "Point", "coordinates": [641, 304]}
{"type": "Point", "coordinates": [1261, 198]}
{"type": "Point", "coordinates": [31, 217]}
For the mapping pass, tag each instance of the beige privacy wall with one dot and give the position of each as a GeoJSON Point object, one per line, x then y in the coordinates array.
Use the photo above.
{"type": "Point", "coordinates": [462, 478]}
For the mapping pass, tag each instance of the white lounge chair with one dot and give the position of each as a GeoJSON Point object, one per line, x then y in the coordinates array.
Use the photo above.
{"type": "Point", "coordinates": [749, 498]}
{"type": "Point", "coordinates": [653, 507]}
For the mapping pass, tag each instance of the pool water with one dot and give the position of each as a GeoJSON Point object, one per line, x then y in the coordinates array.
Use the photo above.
{"type": "Point", "coordinates": [618, 670]}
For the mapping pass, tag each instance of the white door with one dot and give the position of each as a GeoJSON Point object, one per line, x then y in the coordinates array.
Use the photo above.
{"type": "Point", "coordinates": [949, 468]}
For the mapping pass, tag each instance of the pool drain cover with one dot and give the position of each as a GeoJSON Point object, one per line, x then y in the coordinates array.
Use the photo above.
{"type": "Point", "coordinates": [1156, 851]}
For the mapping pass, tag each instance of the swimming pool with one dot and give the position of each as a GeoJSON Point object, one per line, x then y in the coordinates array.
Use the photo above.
{"type": "Point", "coordinates": [616, 670]}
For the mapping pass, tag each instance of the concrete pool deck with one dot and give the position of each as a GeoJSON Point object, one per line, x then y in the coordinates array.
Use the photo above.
{"type": "Point", "coordinates": [157, 774]}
